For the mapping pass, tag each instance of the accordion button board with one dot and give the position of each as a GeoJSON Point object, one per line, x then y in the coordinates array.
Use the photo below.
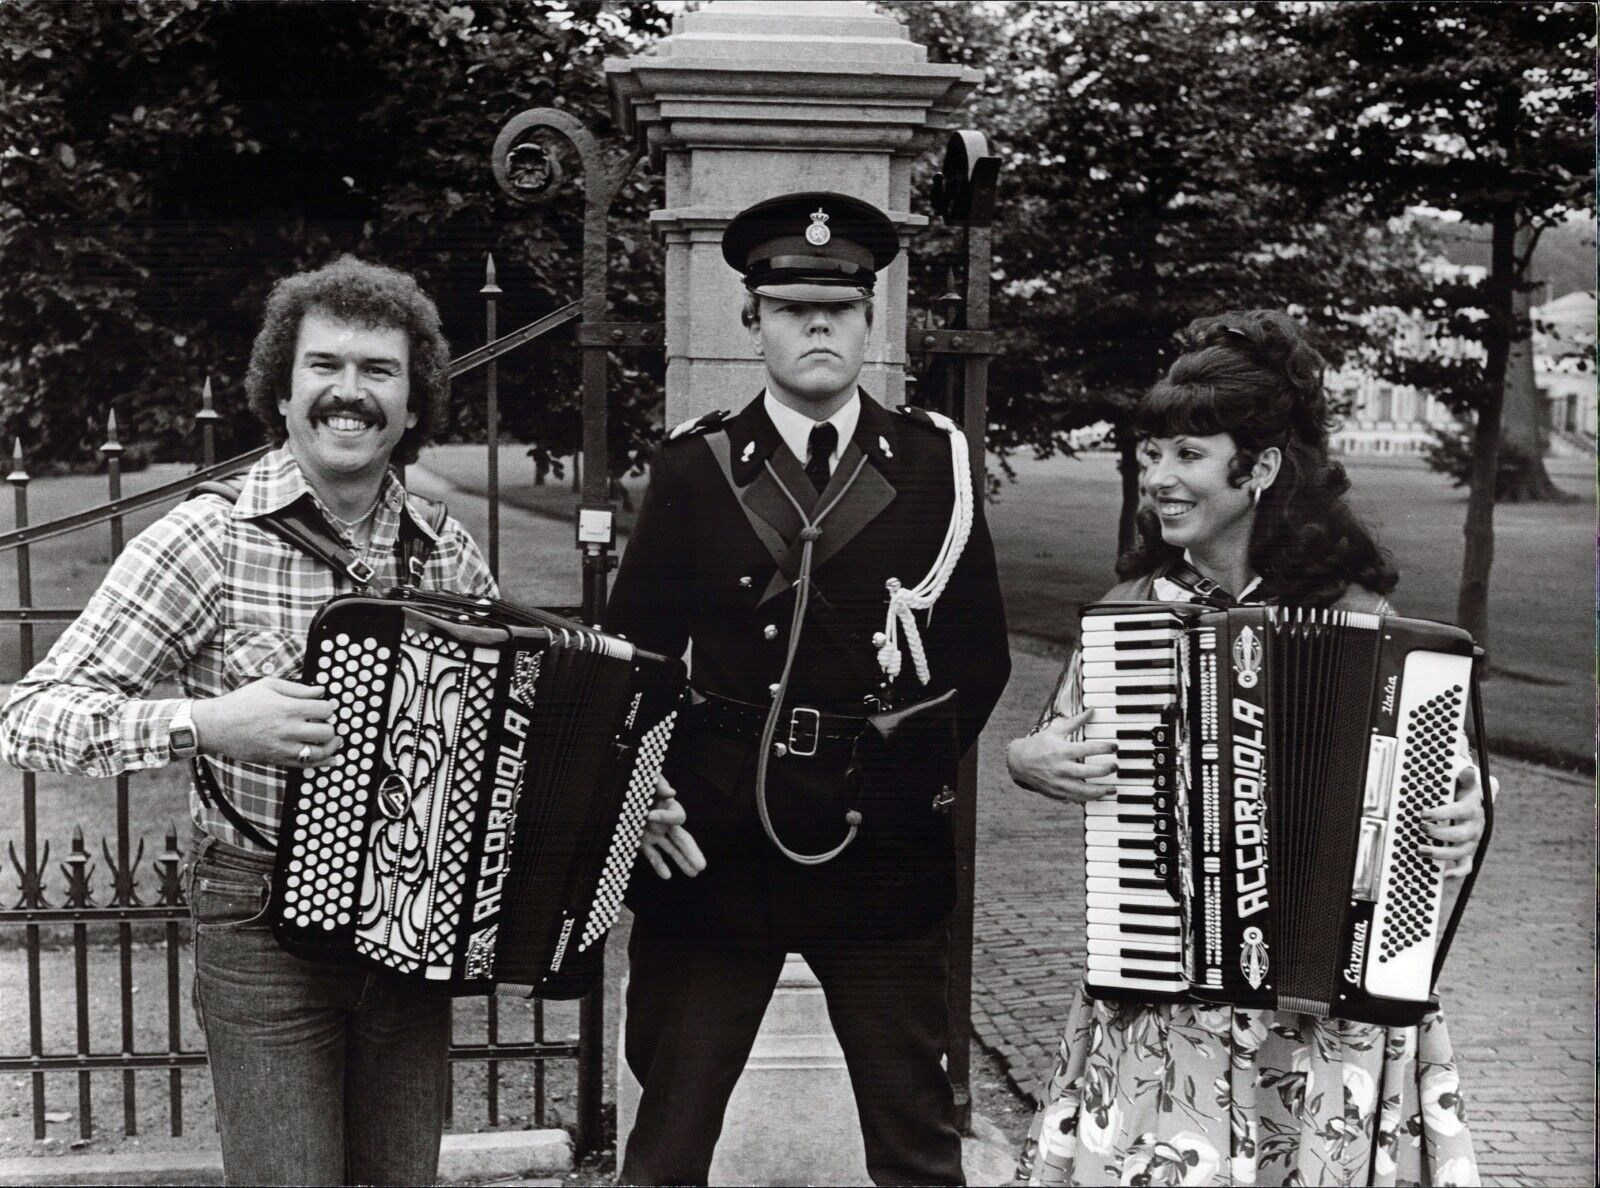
{"type": "Point", "coordinates": [479, 825]}
{"type": "Point", "coordinates": [1262, 842]}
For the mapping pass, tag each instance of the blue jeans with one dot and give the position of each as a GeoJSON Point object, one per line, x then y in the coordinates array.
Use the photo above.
{"type": "Point", "coordinates": [323, 1075]}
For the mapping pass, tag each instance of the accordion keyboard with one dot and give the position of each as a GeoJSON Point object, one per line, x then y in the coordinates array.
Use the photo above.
{"type": "Point", "coordinates": [1129, 679]}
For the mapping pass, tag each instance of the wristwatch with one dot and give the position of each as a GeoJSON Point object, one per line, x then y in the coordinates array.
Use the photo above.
{"type": "Point", "coordinates": [184, 738]}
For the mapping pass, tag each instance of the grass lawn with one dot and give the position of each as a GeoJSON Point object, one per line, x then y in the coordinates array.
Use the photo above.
{"type": "Point", "coordinates": [1055, 534]}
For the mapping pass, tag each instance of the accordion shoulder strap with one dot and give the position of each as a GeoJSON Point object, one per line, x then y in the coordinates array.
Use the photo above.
{"type": "Point", "coordinates": [211, 793]}
{"type": "Point", "coordinates": [299, 525]}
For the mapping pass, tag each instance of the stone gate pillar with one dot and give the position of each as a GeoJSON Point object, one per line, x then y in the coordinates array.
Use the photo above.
{"type": "Point", "coordinates": [748, 99]}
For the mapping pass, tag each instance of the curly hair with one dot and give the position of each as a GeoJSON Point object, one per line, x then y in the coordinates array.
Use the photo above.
{"type": "Point", "coordinates": [367, 295]}
{"type": "Point", "coordinates": [1253, 375]}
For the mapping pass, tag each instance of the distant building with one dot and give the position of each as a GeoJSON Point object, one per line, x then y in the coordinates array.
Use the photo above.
{"type": "Point", "coordinates": [1564, 364]}
{"type": "Point", "coordinates": [1393, 419]}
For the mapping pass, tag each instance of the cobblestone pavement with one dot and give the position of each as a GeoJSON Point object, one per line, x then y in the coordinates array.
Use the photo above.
{"type": "Point", "coordinates": [1518, 988]}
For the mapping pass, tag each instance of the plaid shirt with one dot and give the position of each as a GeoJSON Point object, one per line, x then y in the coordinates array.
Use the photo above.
{"type": "Point", "coordinates": [208, 596]}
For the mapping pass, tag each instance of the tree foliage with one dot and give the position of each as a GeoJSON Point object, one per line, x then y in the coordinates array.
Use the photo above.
{"type": "Point", "coordinates": [1485, 110]}
{"type": "Point", "coordinates": [1142, 187]}
{"type": "Point", "coordinates": [163, 161]}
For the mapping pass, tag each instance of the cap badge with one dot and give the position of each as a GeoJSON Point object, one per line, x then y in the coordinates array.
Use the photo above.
{"type": "Point", "coordinates": [749, 448]}
{"type": "Point", "coordinates": [818, 234]}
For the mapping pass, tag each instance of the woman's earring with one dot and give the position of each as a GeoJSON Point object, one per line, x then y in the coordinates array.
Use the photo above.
{"type": "Point", "coordinates": [1255, 495]}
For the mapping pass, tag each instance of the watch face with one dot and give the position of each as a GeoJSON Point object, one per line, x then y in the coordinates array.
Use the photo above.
{"type": "Point", "coordinates": [183, 740]}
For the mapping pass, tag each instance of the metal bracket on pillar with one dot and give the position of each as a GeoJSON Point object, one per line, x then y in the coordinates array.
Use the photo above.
{"type": "Point", "coordinates": [955, 342]}
{"type": "Point", "coordinates": [528, 171]}
{"type": "Point", "coordinates": [620, 335]}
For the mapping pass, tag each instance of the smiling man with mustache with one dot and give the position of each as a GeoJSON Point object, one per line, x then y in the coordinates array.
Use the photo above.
{"type": "Point", "coordinates": [775, 542]}
{"type": "Point", "coordinates": [323, 1075]}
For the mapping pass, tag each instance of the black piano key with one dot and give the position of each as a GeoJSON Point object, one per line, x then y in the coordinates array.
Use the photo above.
{"type": "Point", "coordinates": [1142, 884]}
{"type": "Point", "coordinates": [1147, 909]}
{"type": "Point", "coordinates": [1149, 930]}
{"type": "Point", "coordinates": [1143, 954]}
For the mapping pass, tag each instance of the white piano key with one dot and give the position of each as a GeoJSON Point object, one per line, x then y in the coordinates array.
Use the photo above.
{"type": "Point", "coordinates": [1109, 828]}
{"type": "Point", "coordinates": [1108, 894]}
{"type": "Point", "coordinates": [1171, 937]}
{"type": "Point", "coordinates": [1130, 966]}
{"type": "Point", "coordinates": [1130, 682]}
{"type": "Point", "coordinates": [1119, 621]}
{"type": "Point", "coordinates": [1108, 722]}
{"type": "Point", "coordinates": [1102, 909]}
{"type": "Point", "coordinates": [1098, 654]}
{"type": "Point", "coordinates": [1148, 704]}
{"type": "Point", "coordinates": [1143, 851]}
{"type": "Point", "coordinates": [1111, 981]}
{"type": "Point", "coordinates": [1116, 881]}
{"type": "Point", "coordinates": [1114, 870]}
{"type": "Point", "coordinates": [1111, 808]}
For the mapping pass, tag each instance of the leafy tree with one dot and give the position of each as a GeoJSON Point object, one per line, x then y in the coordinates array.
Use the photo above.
{"type": "Point", "coordinates": [1485, 110]}
{"type": "Point", "coordinates": [1139, 190]}
{"type": "Point", "coordinates": [164, 161]}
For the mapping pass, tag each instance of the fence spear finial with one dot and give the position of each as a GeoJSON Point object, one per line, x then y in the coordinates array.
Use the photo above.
{"type": "Point", "coordinates": [112, 445]}
{"type": "Point", "coordinates": [19, 471]}
{"type": "Point", "coordinates": [488, 276]}
{"type": "Point", "coordinates": [207, 411]}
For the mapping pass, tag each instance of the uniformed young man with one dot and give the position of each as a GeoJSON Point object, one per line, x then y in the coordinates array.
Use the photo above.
{"type": "Point", "coordinates": [829, 563]}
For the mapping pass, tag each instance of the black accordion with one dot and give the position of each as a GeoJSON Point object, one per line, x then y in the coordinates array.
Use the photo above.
{"type": "Point", "coordinates": [1262, 845]}
{"type": "Point", "coordinates": [479, 825]}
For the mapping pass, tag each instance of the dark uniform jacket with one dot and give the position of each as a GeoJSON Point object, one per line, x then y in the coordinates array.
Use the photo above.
{"type": "Point", "coordinates": [711, 564]}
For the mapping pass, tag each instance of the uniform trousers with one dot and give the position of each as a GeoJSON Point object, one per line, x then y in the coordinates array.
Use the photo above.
{"type": "Point", "coordinates": [693, 1014]}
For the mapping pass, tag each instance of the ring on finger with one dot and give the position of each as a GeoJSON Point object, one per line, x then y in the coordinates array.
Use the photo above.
{"type": "Point", "coordinates": [304, 753]}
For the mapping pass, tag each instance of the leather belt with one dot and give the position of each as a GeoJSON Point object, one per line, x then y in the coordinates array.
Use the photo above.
{"type": "Point", "coordinates": [802, 730]}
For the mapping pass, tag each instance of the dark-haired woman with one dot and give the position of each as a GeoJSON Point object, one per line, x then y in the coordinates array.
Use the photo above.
{"type": "Point", "coordinates": [1243, 504]}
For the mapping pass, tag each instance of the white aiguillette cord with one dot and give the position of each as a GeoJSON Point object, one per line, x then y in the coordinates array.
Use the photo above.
{"type": "Point", "coordinates": [810, 533]}
{"type": "Point", "coordinates": [902, 600]}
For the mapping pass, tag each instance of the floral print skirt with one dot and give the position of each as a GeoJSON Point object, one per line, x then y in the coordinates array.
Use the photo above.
{"type": "Point", "coordinates": [1182, 1094]}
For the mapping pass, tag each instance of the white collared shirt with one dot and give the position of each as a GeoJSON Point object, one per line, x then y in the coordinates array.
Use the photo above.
{"type": "Point", "coordinates": [795, 427]}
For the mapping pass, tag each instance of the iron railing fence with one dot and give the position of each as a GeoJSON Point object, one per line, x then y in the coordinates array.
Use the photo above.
{"type": "Point", "coordinates": [954, 348]}
{"type": "Point", "coordinates": [143, 907]}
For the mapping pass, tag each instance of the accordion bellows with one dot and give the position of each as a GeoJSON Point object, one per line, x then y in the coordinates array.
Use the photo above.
{"type": "Point", "coordinates": [1263, 843]}
{"type": "Point", "coordinates": [480, 823]}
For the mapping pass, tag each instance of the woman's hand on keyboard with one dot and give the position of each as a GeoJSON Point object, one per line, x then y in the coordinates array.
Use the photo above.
{"type": "Point", "coordinates": [1052, 763]}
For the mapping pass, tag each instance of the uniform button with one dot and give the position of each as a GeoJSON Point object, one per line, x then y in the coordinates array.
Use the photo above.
{"type": "Point", "coordinates": [769, 632]}
{"type": "Point", "coordinates": [780, 750]}
{"type": "Point", "coordinates": [745, 582]}
{"type": "Point", "coordinates": [772, 690]}
{"type": "Point", "coordinates": [879, 639]}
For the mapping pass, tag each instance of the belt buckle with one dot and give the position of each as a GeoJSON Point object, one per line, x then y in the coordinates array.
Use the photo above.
{"type": "Point", "coordinates": [815, 727]}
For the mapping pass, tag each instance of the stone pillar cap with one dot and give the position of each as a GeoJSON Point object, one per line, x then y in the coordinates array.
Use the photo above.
{"type": "Point", "coordinates": [849, 29]}
{"type": "Point", "coordinates": [745, 72]}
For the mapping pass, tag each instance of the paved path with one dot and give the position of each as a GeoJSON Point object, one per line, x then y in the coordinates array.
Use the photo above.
{"type": "Point", "coordinates": [1518, 990]}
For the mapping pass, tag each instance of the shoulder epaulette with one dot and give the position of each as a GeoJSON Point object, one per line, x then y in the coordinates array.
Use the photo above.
{"type": "Point", "coordinates": [937, 422]}
{"type": "Point", "coordinates": [703, 424]}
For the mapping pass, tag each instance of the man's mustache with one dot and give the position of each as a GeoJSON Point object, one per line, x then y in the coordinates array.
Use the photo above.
{"type": "Point", "coordinates": [339, 406]}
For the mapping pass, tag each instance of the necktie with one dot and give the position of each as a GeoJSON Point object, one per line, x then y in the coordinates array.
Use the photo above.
{"type": "Point", "coordinates": [819, 454]}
